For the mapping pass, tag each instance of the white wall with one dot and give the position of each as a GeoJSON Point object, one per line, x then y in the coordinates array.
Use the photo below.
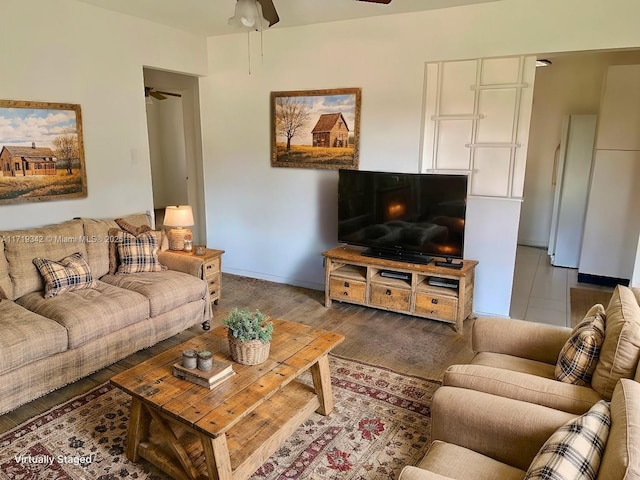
{"type": "Point", "coordinates": [70, 52]}
{"type": "Point", "coordinates": [273, 223]}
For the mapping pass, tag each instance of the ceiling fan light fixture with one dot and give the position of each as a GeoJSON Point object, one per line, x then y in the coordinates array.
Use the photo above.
{"type": "Point", "coordinates": [248, 15]}
{"type": "Point", "coordinates": [543, 62]}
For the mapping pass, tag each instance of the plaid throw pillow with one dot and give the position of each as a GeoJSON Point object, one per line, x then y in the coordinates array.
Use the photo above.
{"type": "Point", "coordinates": [575, 449]}
{"type": "Point", "coordinates": [70, 273]}
{"type": "Point", "coordinates": [579, 356]}
{"type": "Point", "coordinates": [139, 253]}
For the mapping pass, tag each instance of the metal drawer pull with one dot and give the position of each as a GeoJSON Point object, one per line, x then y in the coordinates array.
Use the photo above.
{"type": "Point", "coordinates": [434, 301]}
{"type": "Point", "coordinates": [345, 293]}
{"type": "Point", "coordinates": [388, 292]}
{"type": "Point", "coordinates": [346, 284]}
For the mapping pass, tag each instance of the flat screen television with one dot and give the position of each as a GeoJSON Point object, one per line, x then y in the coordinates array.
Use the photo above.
{"type": "Point", "coordinates": [403, 216]}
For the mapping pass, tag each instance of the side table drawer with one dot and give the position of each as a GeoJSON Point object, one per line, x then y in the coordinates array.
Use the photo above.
{"type": "Point", "coordinates": [346, 289]}
{"type": "Point", "coordinates": [436, 306]}
{"type": "Point", "coordinates": [214, 286]}
{"type": "Point", "coordinates": [390, 297]}
{"type": "Point", "coordinates": [211, 268]}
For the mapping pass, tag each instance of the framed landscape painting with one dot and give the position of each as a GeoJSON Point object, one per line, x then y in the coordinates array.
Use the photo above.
{"type": "Point", "coordinates": [315, 128]}
{"type": "Point", "coordinates": [41, 152]}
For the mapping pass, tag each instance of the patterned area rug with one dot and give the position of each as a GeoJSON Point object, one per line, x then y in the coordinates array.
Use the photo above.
{"type": "Point", "coordinates": [381, 422]}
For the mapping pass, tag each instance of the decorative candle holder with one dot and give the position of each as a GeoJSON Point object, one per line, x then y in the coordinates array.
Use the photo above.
{"type": "Point", "coordinates": [189, 359]}
{"type": "Point", "coordinates": [205, 360]}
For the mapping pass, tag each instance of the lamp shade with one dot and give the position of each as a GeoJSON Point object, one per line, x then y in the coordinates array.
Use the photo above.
{"type": "Point", "coordinates": [178, 216]}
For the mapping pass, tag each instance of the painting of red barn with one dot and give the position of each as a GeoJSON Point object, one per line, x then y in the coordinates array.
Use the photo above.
{"type": "Point", "coordinates": [41, 152]}
{"type": "Point", "coordinates": [316, 128]}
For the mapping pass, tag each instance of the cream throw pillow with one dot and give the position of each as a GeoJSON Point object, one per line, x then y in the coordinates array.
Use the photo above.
{"type": "Point", "coordinates": [70, 273]}
{"type": "Point", "coordinates": [139, 253]}
{"type": "Point", "coordinates": [579, 356]}
{"type": "Point", "coordinates": [574, 450]}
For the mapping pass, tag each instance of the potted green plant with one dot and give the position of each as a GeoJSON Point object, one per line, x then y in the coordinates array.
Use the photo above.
{"type": "Point", "coordinates": [249, 335]}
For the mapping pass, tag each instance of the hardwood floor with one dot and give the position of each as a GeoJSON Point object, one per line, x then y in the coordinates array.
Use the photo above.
{"type": "Point", "coordinates": [410, 345]}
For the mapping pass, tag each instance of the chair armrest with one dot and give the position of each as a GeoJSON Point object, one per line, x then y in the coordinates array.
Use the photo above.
{"type": "Point", "coordinates": [504, 429]}
{"type": "Point", "coordinates": [182, 263]}
{"type": "Point", "coordinates": [415, 473]}
{"type": "Point", "coordinates": [522, 386]}
{"type": "Point", "coordinates": [536, 341]}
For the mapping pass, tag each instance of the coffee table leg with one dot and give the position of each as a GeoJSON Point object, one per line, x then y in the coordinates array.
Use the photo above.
{"type": "Point", "coordinates": [216, 454]}
{"type": "Point", "coordinates": [322, 383]}
{"type": "Point", "coordinates": [139, 421]}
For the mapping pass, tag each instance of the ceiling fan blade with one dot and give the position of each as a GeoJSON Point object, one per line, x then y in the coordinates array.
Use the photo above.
{"type": "Point", "coordinates": [269, 11]}
{"type": "Point", "coordinates": [169, 93]}
{"type": "Point", "coordinates": [157, 95]}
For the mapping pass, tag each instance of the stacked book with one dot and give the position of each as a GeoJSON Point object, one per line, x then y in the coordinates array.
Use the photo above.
{"type": "Point", "coordinates": [209, 378]}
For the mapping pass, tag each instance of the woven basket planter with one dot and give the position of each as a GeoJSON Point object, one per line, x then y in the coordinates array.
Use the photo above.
{"type": "Point", "coordinates": [252, 352]}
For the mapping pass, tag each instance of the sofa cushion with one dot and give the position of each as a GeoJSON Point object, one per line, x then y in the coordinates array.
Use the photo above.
{"type": "Point", "coordinates": [453, 461]}
{"type": "Point", "coordinates": [578, 357]}
{"type": "Point", "coordinates": [516, 364]}
{"type": "Point", "coordinates": [620, 350]}
{"type": "Point", "coordinates": [165, 290]}
{"type": "Point", "coordinates": [6, 289]}
{"type": "Point", "coordinates": [574, 450]}
{"type": "Point", "coordinates": [54, 242]}
{"type": "Point", "coordinates": [139, 253]}
{"type": "Point", "coordinates": [622, 456]}
{"type": "Point", "coordinates": [27, 336]}
{"type": "Point", "coordinates": [521, 386]}
{"type": "Point", "coordinates": [90, 313]}
{"type": "Point", "coordinates": [70, 273]}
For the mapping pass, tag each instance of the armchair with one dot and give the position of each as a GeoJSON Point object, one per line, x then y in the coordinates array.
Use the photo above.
{"type": "Point", "coordinates": [482, 436]}
{"type": "Point", "coordinates": [517, 359]}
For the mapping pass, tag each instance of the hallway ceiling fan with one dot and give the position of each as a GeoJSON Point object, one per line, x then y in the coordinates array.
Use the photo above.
{"type": "Point", "coordinates": [157, 94]}
{"type": "Point", "coordinates": [249, 13]}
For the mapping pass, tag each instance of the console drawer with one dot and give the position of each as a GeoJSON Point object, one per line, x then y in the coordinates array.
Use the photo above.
{"type": "Point", "coordinates": [390, 297]}
{"type": "Point", "coordinates": [436, 306]}
{"type": "Point", "coordinates": [347, 289]}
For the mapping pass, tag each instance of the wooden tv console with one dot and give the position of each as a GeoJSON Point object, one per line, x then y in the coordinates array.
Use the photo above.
{"type": "Point", "coordinates": [373, 282]}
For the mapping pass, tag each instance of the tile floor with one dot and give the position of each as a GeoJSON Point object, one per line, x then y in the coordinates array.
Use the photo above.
{"type": "Point", "coordinates": [540, 290]}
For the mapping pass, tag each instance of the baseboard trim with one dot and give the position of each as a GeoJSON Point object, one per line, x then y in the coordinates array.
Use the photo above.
{"type": "Point", "coordinates": [601, 280]}
{"type": "Point", "coordinates": [273, 278]}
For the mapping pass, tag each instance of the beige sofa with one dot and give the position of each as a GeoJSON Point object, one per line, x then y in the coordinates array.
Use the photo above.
{"type": "Point", "coordinates": [481, 436]}
{"type": "Point", "coordinates": [46, 343]}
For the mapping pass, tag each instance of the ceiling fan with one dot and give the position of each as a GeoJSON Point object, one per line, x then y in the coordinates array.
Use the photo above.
{"type": "Point", "coordinates": [158, 94]}
{"type": "Point", "coordinates": [268, 12]}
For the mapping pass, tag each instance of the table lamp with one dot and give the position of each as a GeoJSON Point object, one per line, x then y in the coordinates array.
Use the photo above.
{"type": "Point", "coordinates": [178, 216]}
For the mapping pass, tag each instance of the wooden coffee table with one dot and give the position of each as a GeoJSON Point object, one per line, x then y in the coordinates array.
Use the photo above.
{"type": "Point", "coordinates": [191, 432]}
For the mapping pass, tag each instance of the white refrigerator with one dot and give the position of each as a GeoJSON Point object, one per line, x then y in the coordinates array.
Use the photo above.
{"type": "Point", "coordinates": [572, 174]}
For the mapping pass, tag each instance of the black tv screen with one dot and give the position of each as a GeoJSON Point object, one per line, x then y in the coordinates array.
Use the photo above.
{"type": "Point", "coordinates": [402, 215]}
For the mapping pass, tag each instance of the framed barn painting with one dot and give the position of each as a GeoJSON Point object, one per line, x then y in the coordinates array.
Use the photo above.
{"type": "Point", "coordinates": [315, 128]}
{"type": "Point", "coordinates": [41, 152]}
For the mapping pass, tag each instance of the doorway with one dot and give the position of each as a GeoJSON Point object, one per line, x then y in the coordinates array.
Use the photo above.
{"type": "Point", "coordinates": [175, 146]}
{"type": "Point", "coordinates": [571, 85]}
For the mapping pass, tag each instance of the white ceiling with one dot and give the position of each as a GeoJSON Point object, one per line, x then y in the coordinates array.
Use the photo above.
{"type": "Point", "coordinates": [209, 17]}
